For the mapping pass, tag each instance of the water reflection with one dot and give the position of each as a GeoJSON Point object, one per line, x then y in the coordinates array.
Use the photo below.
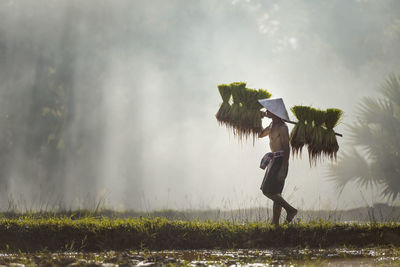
{"type": "Point", "coordinates": [237, 257]}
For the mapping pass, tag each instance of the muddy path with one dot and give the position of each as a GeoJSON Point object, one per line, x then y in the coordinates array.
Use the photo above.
{"type": "Point", "coordinates": [238, 257]}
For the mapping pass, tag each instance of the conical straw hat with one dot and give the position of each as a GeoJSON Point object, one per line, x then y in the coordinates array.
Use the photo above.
{"type": "Point", "coordinates": [275, 106]}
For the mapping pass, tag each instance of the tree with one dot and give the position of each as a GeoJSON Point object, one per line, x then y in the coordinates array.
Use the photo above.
{"type": "Point", "coordinates": [374, 160]}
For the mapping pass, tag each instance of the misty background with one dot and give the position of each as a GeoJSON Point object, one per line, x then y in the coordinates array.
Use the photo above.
{"type": "Point", "coordinates": [115, 101]}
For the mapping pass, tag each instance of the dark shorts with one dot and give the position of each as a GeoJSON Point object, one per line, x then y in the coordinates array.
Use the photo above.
{"type": "Point", "coordinates": [271, 185]}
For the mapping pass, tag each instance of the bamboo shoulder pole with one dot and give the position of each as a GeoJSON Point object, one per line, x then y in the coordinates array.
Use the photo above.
{"type": "Point", "coordinates": [292, 122]}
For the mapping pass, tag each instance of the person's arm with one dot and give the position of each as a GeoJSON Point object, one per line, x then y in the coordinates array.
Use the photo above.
{"type": "Point", "coordinates": [266, 130]}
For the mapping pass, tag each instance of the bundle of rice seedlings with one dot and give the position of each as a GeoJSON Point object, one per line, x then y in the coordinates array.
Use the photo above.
{"type": "Point", "coordinates": [236, 112]}
{"type": "Point", "coordinates": [250, 123]}
{"type": "Point", "coordinates": [298, 134]}
{"type": "Point", "coordinates": [262, 94]}
{"type": "Point", "coordinates": [223, 112]}
{"type": "Point", "coordinates": [244, 115]}
{"type": "Point", "coordinates": [309, 122]}
{"type": "Point", "coordinates": [315, 144]}
{"type": "Point", "coordinates": [253, 118]}
{"type": "Point", "coordinates": [333, 116]}
{"type": "Point", "coordinates": [315, 129]}
{"type": "Point", "coordinates": [330, 143]}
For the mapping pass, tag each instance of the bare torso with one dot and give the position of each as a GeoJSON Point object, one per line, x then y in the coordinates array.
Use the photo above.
{"type": "Point", "coordinates": [275, 141]}
{"type": "Point", "coordinates": [278, 138]}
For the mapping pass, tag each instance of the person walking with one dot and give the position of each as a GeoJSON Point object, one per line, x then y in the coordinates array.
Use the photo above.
{"type": "Point", "coordinates": [277, 160]}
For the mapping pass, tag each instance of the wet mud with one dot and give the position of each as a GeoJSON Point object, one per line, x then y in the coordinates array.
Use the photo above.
{"type": "Point", "coordinates": [238, 257]}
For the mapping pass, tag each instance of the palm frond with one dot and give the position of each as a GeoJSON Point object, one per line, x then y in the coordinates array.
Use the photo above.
{"type": "Point", "coordinates": [377, 132]}
{"type": "Point", "coordinates": [376, 140]}
{"type": "Point", "coordinates": [391, 188]}
{"type": "Point", "coordinates": [377, 111]}
{"type": "Point", "coordinates": [391, 89]}
{"type": "Point", "coordinates": [365, 136]}
{"type": "Point", "coordinates": [352, 167]}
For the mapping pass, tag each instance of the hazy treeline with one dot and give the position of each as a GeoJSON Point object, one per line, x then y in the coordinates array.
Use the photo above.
{"type": "Point", "coordinates": [75, 102]}
{"type": "Point", "coordinates": [55, 61]}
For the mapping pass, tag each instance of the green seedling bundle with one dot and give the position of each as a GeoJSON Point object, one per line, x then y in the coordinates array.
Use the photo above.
{"type": "Point", "coordinates": [298, 135]}
{"type": "Point", "coordinates": [330, 143]}
{"type": "Point", "coordinates": [236, 111]}
{"type": "Point", "coordinates": [242, 114]}
{"type": "Point", "coordinates": [223, 112]}
{"type": "Point", "coordinates": [315, 129]}
{"type": "Point", "coordinates": [315, 145]}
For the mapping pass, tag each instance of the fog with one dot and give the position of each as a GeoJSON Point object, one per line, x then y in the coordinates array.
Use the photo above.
{"type": "Point", "coordinates": [114, 102]}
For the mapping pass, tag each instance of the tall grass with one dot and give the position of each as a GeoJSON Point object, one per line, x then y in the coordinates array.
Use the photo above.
{"type": "Point", "coordinates": [99, 234]}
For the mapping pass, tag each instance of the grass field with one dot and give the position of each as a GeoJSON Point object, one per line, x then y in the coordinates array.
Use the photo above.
{"type": "Point", "coordinates": [376, 213]}
{"type": "Point", "coordinates": [30, 234]}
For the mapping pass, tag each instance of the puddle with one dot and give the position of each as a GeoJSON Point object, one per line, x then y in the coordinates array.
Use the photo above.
{"type": "Point", "coordinates": [237, 257]}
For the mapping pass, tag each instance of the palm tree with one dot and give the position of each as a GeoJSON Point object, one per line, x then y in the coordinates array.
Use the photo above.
{"type": "Point", "coordinates": [374, 160]}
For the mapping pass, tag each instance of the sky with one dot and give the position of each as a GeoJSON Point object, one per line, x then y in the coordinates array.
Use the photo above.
{"type": "Point", "coordinates": [137, 82]}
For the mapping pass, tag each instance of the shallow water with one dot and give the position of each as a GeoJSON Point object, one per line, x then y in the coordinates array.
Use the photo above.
{"type": "Point", "coordinates": [237, 257]}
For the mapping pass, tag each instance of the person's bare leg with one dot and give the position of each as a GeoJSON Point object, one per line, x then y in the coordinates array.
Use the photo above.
{"type": "Point", "coordinates": [290, 211]}
{"type": "Point", "coordinates": [276, 213]}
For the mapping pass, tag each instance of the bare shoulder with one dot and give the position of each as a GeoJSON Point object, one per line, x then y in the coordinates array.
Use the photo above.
{"type": "Point", "coordinates": [283, 128]}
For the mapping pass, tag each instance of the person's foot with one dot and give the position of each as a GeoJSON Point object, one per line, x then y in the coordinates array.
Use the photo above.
{"type": "Point", "coordinates": [290, 215]}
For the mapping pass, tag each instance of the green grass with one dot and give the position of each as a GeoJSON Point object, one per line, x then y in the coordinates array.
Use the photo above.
{"type": "Point", "coordinates": [101, 234]}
